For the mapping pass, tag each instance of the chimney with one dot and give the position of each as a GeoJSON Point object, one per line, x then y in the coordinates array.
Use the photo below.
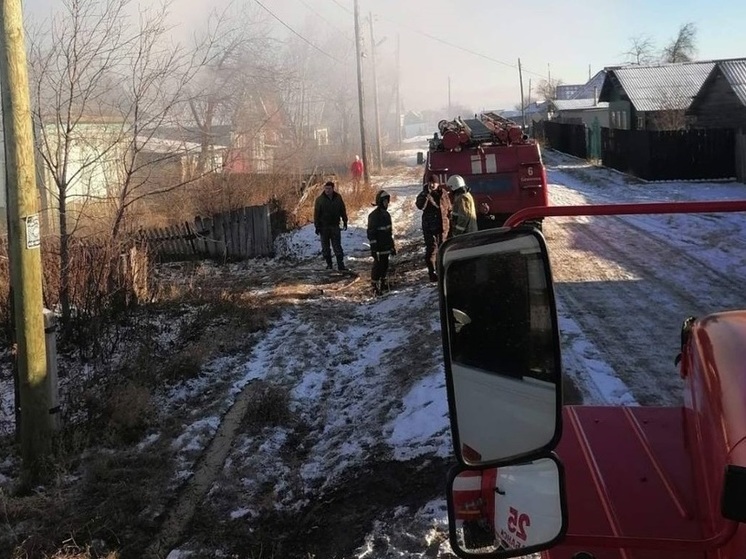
{"type": "Point", "coordinates": [595, 95]}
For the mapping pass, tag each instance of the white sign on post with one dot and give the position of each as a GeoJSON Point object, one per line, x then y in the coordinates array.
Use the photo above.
{"type": "Point", "coordinates": [33, 232]}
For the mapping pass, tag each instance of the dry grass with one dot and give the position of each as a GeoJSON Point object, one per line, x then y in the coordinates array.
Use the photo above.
{"type": "Point", "coordinates": [269, 406]}
{"type": "Point", "coordinates": [107, 496]}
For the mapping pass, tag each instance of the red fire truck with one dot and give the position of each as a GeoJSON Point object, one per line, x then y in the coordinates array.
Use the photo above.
{"type": "Point", "coordinates": [582, 482]}
{"type": "Point", "coordinates": [501, 165]}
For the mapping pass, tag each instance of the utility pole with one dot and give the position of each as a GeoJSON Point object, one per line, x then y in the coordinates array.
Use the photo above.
{"type": "Point", "coordinates": [523, 105]}
{"type": "Point", "coordinates": [379, 152]}
{"type": "Point", "coordinates": [361, 95]}
{"type": "Point", "coordinates": [398, 94]}
{"type": "Point", "coordinates": [24, 242]}
{"type": "Point", "coordinates": [449, 98]}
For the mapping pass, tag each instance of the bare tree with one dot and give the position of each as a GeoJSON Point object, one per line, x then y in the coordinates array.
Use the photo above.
{"type": "Point", "coordinates": [683, 47]}
{"type": "Point", "coordinates": [641, 50]}
{"type": "Point", "coordinates": [230, 82]}
{"type": "Point", "coordinates": [72, 82]}
{"type": "Point", "coordinates": [547, 89]}
{"type": "Point", "coordinates": [317, 89]}
{"type": "Point", "coordinates": [671, 114]}
{"type": "Point", "coordinates": [101, 87]}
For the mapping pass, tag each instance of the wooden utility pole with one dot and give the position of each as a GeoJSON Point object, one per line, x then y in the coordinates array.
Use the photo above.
{"type": "Point", "coordinates": [24, 241]}
{"type": "Point", "coordinates": [398, 94]}
{"type": "Point", "coordinates": [379, 151]}
{"type": "Point", "coordinates": [523, 105]}
{"type": "Point", "coordinates": [449, 98]}
{"type": "Point", "coordinates": [361, 95]}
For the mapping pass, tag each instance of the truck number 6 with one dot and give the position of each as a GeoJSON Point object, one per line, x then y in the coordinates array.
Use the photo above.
{"type": "Point", "coordinates": [517, 523]}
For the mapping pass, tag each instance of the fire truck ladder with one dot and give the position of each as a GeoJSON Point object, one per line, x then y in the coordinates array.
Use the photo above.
{"type": "Point", "coordinates": [477, 130]}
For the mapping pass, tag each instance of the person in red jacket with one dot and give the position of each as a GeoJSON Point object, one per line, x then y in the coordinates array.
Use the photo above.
{"type": "Point", "coordinates": [356, 169]}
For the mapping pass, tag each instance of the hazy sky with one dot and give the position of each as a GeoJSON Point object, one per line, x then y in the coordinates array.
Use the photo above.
{"type": "Point", "coordinates": [477, 42]}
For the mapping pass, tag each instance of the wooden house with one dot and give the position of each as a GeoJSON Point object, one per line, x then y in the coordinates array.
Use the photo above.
{"type": "Point", "coordinates": [652, 97]}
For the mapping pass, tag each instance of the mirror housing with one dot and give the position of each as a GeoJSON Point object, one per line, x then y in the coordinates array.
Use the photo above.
{"type": "Point", "coordinates": [500, 345]}
{"type": "Point", "coordinates": [507, 511]}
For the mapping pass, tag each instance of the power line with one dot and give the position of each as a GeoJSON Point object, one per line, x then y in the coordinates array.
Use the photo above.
{"type": "Point", "coordinates": [322, 18]}
{"type": "Point", "coordinates": [343, 7]}
{"type": "Point", "coordinates": [296, 33]}
{"type": "Point", "coordinates": [475, 53]}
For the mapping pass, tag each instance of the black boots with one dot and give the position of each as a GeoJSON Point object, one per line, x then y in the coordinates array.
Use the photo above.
{"type": "Point", "coordinates": [329, 263]}
{"type": "Point", "coordinates": [431, 272]}
{"type": "Point", "coordinates": [340, 263]}
{"type": "Point", "coordinates": [380, 287]}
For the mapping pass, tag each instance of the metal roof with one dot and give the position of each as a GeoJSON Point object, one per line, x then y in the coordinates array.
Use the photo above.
{"type": "Point", "coordinates": [578, 104]}
{"type": "Point", "coordinates": [662, 87]}
{"type": "Point", "coordinates": [591, 87]}
{"type": "Point", "coordinates": [735, 72]}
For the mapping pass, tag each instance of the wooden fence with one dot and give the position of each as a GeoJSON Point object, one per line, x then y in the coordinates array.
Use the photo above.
{"type": "Point", "coordinates": [741, 156]}
{"type": "Point", "coordinates": [567, 138]}
{"type": "Point", "coordinates": [711, 153]}
{"type": "Point", "coordinates": [236, 235]}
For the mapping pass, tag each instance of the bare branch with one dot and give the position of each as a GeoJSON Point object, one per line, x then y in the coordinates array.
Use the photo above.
{"type": "Point", "coordinates": [683, 47]}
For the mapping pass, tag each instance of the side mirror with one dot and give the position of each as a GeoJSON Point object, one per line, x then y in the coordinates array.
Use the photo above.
{"type": "Point", "coordinates": [507, 511]}
{"type": "Point", "coordinates": [501, 345]}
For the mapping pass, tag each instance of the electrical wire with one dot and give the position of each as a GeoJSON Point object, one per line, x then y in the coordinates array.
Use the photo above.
{"type": "Point", "coordinates": [475, 53]}
{"type": "Point", "coordinates": [296, 33]}
{"type": "Point", "coordinates": [343, 7]}
{"type": "Point", "coordinates": [329, 23]}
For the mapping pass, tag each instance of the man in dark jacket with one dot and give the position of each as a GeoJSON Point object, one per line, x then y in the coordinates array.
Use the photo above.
{"type": "Point", "coordinates": [381, 238]}
{"type": "Point", "coordinates": [328, 211]}
{"type": "Point", "coordinates": [435, 203]}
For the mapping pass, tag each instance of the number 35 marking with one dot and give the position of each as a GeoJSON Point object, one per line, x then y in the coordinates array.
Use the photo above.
{"type": "Point", "coordinates": [517, 523]}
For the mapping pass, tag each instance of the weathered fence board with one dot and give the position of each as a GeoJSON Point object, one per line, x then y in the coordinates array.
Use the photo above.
{"type": "Point", "coordinates": [238, 234]}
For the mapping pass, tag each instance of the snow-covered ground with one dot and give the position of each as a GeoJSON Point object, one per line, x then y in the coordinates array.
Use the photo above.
{"type": "Point", "coordinates": [364, 377]}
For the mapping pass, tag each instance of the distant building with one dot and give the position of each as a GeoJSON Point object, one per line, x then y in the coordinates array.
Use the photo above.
{"type": "Point", "coordinates": [415, 125]}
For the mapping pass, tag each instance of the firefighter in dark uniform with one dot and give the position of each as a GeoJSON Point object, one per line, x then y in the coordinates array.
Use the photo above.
{"type": "Point", "coordinates": [381, 238]}
{"type": "Point", "coordinates": [328, 211]}
{"type": "Point", "coordinates": [435, 204]}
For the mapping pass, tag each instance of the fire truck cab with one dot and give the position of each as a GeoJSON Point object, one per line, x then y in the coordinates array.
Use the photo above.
{"type": "Point", "coordinates": [501, 165]}
{"type": "Point", "coordinates": [582, 482]}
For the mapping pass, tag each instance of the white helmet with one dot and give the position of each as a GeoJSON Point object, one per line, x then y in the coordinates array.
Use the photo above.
{"type": "Point", "coordinates": [456, 183]}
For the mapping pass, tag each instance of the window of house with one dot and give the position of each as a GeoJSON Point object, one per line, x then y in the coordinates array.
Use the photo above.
{"type": "Point", "coordinates": [322, 137]}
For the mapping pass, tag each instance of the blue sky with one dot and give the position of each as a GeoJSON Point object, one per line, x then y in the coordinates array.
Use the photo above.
{"type": "Point", "coordinates": [563, 38]}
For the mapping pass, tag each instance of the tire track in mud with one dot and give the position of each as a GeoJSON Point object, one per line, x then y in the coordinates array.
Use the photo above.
{"type": "Point", "coordinates": [336, 390]}
{"type": "Point", "coordinates": [212, 460]}
{"type": "Point", "coordinates": [635, 324]}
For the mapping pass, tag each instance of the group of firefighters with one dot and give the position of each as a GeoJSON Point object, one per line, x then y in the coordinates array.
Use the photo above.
{"type": "Point", "coordinates": [447, 210]}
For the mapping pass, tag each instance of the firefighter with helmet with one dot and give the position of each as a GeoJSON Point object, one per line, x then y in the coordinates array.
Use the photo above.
{"type": "Point", "coordinates": [464, 214]}
{"type": "Point", "coordinates": [381, 237]}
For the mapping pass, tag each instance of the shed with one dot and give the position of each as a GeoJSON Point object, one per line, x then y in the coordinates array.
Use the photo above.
{"type": "Point", "coordinates": [721, 101]}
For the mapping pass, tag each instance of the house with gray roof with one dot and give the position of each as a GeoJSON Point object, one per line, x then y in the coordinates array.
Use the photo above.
{"type": "Point", "coordinates": [654, 96]}
{"type": "Point", "coordinates": [583, 107]}
{"type": "Point", "coordinates": [721, 101]}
